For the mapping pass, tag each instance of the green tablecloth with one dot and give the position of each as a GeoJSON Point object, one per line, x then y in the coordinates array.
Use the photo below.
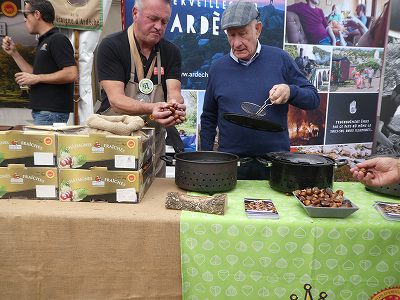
{"type": "Point", "coordinates": [233, 257]}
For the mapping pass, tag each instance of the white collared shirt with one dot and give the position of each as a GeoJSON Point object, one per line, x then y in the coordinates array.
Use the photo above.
{"type": "Point", "coordinates": [247, 62]}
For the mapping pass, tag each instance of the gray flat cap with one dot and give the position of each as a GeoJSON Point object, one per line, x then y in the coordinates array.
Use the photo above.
{"type": "Point", "coordinates": [239, 14]}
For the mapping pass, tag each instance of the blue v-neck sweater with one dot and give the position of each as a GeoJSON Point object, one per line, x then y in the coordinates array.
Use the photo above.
{"type": "Point", "coordinates": [230, 84]}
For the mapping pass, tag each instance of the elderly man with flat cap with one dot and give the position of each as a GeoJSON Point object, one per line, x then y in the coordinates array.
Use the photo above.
{"type": "Point", "coordinates": [251, 72]}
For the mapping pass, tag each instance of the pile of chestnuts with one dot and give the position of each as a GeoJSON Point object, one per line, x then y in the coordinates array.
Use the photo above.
{"type": "Point", "coordinates": [322, 197]}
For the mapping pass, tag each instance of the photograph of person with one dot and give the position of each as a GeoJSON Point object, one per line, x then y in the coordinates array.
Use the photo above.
{"type": "Point", "coordinates": [356, 70]}
{"type": "Point", "coordinates": [341, 23]}
{"type": "Point", "coordinates": [313, 62]}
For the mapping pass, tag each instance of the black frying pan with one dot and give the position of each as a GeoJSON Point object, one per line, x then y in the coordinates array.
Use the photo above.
{"type": "Point", "coordinates": [253, 122]}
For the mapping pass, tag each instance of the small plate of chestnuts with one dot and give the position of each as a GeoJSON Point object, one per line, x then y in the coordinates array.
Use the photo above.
{"type": "Point", "coordinates": [325, 203]}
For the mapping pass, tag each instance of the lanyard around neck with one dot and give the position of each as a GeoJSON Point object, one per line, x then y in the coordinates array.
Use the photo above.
{"type": "Point", "coordinates": [138, 60]}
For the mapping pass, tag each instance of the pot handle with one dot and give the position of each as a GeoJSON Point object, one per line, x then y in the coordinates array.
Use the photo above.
{"type": "Point", "coordinates": [244, 160]}
{"type": "Point", "coordinates": [341, 162]}
{"type": "Point", "coordinates": [264, 161]}
{"type": "Point", "coordinates": [168, 159]}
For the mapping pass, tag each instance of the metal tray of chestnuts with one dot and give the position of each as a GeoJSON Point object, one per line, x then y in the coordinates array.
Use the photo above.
{"type": "Point", "coordinates": [325, 203]}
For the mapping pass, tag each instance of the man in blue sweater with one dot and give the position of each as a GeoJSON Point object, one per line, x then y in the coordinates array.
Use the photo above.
{"type": "Point", "coordinates": [251, 72]}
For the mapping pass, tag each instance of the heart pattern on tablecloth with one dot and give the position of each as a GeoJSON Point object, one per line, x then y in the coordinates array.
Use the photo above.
{"type": "Point", "coordinates": [241, 247]}
{"type": "Point", "coordinates": [283, 231]}
{"type": "Point", "coordinates": [346, 294]}
{"type": "Point", "coordinates": [307, 248]}
{"type": "Point", "coordinates": [263, 292]}
{"type": "Point", "coordinates": [232, 259]}
{"type": "Point", "coordinates": [265, 261]}
{"type": "Point", "coordinates": [289, 277]}
{"type": "Point", "coordinates": [249, 262]}
{"type": "Point", "coordinates": [217, 228]}
{"type": "Point", "coordinates": [322, 278]}
{"type": "Point", "coordinates": [334, 234]}
{"type": "Point", "coordinates": [348, 265]}
{"type": "Point", "coordinates": [223, 274]}
{"type": "Point", "coordinates": [207, 276]}
{"type": "Point", "coordinates": [281, 263]}
{"type": "Point", "coordinates": [317, 232]}
{"type": "Point", "coordinates": [291, 247]}
{"type": "Point", "coordinates": [233, 230]}
{"type": "Point", "coordinates": [257, 245]}
{"type": "Point", "coordinates": [358, 248]}
{"type": "Point", "coordinates": [355, 279]}
{"type": "Point", "coordinates": [385, 234]}
{"type": "Point", "coordinates": [382, 267]}
{"type": "Point", "coordinates": [215, 290]}
{"type": "Point", "coordinates": [392, 250]}
{"type": "Point", "coordinates": [200, 229]}
{"type": "Point", "coordinates": [239, 276]}
{"type": "Point", "coordinates": [250, 230]}
{"type": "Point", "coordinates": [261, 259]}
{"type": "Point", "coordinates": [231, 291]}
{"type": "Point", "coordinates": [208, 245]}
{"type": "Point", "coordinates": [215, 260]}
{"type": "Point", "coordinates": [256, 276]}
{"type": "Point", "coordinates": [199, 259]}
{"type": "Point", "coordinates": [266, 232]}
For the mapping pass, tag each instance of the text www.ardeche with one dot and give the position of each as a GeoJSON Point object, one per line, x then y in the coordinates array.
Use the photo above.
{"type": "Point", "coordinates": [195, 74]}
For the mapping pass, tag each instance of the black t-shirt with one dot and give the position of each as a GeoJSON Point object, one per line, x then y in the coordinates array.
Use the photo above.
{"type": "Point", "coordinates": [53, 53]}
{"type": "Point", "coordinates": [114, 62]}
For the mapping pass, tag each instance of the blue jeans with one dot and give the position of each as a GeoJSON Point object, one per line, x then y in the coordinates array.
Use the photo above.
{"type": "Point", "coordinates": [43, 117]}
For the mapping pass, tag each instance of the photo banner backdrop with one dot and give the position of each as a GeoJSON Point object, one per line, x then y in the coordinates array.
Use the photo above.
{"type": "Point", "coordinates": [347, 75]}
{"type": "Point", "coordinates": [195, 28]}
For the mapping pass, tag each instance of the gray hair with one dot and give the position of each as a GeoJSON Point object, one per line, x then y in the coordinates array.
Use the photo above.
{"type": "Point", "coordinates": [139, 3]}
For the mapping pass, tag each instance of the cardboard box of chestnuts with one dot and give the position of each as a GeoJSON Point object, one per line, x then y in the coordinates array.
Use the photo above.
{"type": "Point", "coordinates": [18, 181]}
{"type": "Point", "coordinates": [112, 151]}
{"type": "Point", "coordinates": [31, 148]}
{"type": "Point", "coordinates": [101, 184]}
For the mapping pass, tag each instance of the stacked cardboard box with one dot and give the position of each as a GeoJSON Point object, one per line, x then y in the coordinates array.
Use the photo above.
{"type": "Point", "coordinates": [100, 150]}
{"type": "Point", "coordinates": [18, 181]}
{"type": "Point", "coordinates": [100, 184]}
{"type": "Point", "coordinates": [101, 167]}
{"type": "Point", "coordinates": [27, 147]}
{"type": "Point", "coordinates": [116, 168]}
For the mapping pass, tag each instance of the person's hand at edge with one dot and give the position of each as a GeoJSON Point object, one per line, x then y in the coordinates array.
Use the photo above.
{"type": "Point", "coordinates": [378, 171]}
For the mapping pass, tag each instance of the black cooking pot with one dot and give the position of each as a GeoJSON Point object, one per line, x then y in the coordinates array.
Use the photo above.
{"type": "Point", "coordinates": [293, 171]}
{"type": "Point", "coordinates": [205, 171]}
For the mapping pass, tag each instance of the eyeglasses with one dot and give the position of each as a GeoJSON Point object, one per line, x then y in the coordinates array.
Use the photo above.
{"type": "Point", "coordinates": [26, 13]}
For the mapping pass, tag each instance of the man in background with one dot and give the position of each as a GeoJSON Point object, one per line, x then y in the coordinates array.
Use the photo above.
{"type": "Point", "coordinates": [51, 77]}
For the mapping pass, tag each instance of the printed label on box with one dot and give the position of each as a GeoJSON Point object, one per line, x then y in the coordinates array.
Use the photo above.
{"type": "Point", "coordinates": [43, 158]}
{"type": "Point", "coordinates": [126, 195]}
{"type": "Point", "coordinates": [125, 161]}
{"type": "Point", "coordinates": [46, 191]}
